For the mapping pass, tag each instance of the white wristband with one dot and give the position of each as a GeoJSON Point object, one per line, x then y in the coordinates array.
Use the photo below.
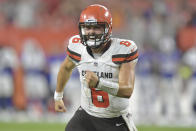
{"type": "Point", "coordinates": [110, 87]}
{"type": "Point", "coordinates": [58, 96]}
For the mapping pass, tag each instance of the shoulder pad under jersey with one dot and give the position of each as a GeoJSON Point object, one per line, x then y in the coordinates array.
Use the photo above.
{"type": "Point", "coordinates": [125, 51]}
{"type": "Point", "coordinates": [74, 48]}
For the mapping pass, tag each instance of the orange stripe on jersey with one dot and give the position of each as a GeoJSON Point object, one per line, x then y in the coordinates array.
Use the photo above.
{"type": "Point", "coordinates": [132, 57]}
{"type": "Point", "coordinates": [124, 58]}
{"type": "Point", "coordinates": [118, 59]}
{"type": "Point", "coordinates": [74, 55]}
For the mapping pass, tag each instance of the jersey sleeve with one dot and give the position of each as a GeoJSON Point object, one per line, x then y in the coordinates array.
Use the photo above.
{"type": "Point", "coordinates": [126, 51]}
{"type": "Point", "coordinates": [74, 49]}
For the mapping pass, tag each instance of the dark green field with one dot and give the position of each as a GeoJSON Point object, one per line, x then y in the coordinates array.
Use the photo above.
{"type": "Point", "coordinates": [60, 127]}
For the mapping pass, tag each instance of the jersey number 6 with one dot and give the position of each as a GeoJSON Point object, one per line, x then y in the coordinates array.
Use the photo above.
{"type": "Point", "coordinates": [100, 98]}
{"type": "Point", "coordinates": [76, 40]}
{"type": "Point", "coordinates": [126, 43]}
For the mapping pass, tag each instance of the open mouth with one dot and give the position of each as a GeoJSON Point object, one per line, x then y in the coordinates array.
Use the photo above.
{"type": "Point", "coordinates": [91, 37]}
{"type": "Point", "coordinates": [94, 37]}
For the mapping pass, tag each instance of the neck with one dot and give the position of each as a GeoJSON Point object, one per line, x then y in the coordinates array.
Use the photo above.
{"type": "Point", "coordinates": [102, 48]}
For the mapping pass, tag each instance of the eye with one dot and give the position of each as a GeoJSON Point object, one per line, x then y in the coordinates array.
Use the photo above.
{"type": "Point", "coordinates": [97, 27]}
{"type": "Point", "coordinates": [87, 27]}
{"type": "Point", "coordinates": [101, 26]}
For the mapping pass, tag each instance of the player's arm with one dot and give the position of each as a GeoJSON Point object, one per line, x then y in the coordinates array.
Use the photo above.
{"type": "Point", "coordinates": [64, 74]}
{"type": "Point", "coordinates": [126, 79]}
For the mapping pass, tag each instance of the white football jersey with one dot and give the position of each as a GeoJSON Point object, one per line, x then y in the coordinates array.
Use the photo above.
{"type": "Point", "coordinates": [97, 102]}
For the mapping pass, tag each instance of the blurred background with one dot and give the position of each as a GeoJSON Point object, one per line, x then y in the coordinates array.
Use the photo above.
{"type": "Point", "coordinates": [33, 39]}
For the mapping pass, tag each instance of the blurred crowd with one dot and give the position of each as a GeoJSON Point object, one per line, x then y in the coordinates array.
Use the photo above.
{"type": "Point", "coordinates": [164, 30]}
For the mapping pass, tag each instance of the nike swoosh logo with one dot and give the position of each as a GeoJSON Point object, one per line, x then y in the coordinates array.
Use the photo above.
{"type": "Point", "coordinates": [119, 124]}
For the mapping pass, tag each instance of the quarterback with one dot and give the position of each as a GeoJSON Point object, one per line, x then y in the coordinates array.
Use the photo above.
{"type": "Point", "coordinates": [107, 72]}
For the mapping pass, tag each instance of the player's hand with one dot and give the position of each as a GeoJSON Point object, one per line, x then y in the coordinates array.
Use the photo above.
{"type": "Point", "coordinates": [59, 106]}
{"type": "Point", "coordinates": [91, 79]}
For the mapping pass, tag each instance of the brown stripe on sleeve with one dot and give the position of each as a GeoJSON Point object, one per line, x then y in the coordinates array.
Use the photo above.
{"type": "Point", "coordinates": [124, 58]}
{"type": "Point", "coordinates": [75, 56]}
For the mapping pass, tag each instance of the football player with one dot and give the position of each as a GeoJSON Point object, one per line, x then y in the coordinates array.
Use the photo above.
{"type": "Point", "coordinates": [107, 73]}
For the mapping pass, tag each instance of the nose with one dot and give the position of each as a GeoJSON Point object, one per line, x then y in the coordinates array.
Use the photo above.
{"type": "Point", "coordinates": [91, 30]}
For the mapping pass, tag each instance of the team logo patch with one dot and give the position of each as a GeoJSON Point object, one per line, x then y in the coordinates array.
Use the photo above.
{"type": "Point", "coordinates": [95, 64]}
{"type": "Point", "coordinates": [91, 20]}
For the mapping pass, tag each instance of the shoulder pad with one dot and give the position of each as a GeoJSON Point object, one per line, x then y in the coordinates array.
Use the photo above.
{"type": "Point", "coordinates": [74, 48]}
{"type": "Point", "coordinates": [125, 51]}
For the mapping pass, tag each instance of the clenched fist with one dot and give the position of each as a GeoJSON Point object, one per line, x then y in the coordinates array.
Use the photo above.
{"type": "Point", "coordinates": [91, 79]}
{"type": "Point", "coordinates": [59, 106]}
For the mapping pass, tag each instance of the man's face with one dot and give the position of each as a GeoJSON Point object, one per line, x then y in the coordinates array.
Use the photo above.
{"type": "Point", "coordinates": [93, 34]}
{"type": "Point", "coordinates": [93, 30]}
